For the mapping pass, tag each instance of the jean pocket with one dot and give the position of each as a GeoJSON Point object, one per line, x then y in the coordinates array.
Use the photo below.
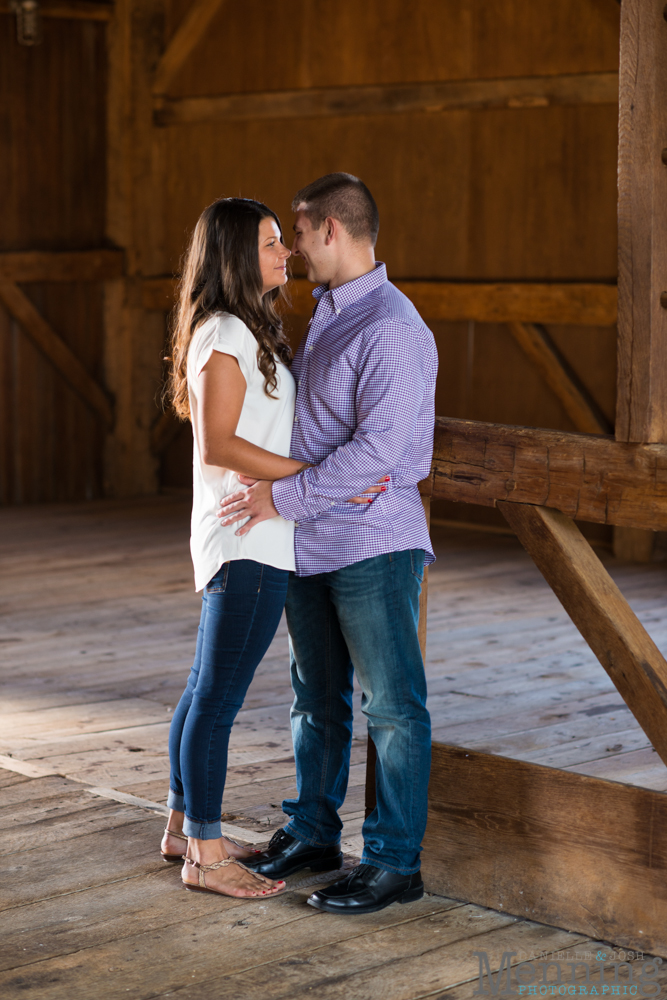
{"type": "Point", "coordinates": [218, 583]}
{"type": "Point", "coordinates": [417, 563]}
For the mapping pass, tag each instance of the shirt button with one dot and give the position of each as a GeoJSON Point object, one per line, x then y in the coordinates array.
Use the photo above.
{"type": "Point", "coordinates": [337, 312]}
{"type": "Point", "coordinates": [296, 524]}
{"type": "Point", "coordinates": [296, 420]}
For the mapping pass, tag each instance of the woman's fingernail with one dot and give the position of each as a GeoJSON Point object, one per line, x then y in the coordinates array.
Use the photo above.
{"type": "Point", "coordinates": [383, 489]}
{"type": "Point", "coordinates": [387, 479]}
{"type": "Point", "coordinates": [369, 501]}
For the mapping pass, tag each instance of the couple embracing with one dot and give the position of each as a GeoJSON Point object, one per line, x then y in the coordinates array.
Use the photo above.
{"type": "Point", "coordinates": [328, 523]}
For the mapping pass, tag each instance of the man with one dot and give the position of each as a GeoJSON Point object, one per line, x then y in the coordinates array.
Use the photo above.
{"type": "Point", "coordinates": [366, 373]}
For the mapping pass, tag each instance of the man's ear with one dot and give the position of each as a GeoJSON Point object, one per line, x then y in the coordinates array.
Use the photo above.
{"type": "Point", "coordinates": [331, 227]}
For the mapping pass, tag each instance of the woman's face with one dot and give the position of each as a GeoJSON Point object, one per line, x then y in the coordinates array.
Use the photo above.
{"type": "Point", "coordinates": [273, 255]}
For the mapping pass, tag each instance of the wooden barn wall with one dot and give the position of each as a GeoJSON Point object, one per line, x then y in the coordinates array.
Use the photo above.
{"type": "Point", "coordinates": [52, 179]}
{"type": "Point", "coordinates": [523, 194]}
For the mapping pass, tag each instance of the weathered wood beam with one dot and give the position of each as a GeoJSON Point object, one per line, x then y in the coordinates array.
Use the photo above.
{"type": "Point", "coordinates": [581, 304]}
{"type": "Point", "coordinates": [71, 10]}
{"type": "Point", "coordinates": [56, 350]}
{"type": "Point", "coordinates": [392, 98]}
{"type": "Point", "coordinates": [642, 224]}
{"type": "Point", "coordinates": [540, 350]}
{"type": "Point", "coordinates": [578, 304]}
{"type": "Point", "coordinates": [78, 265]}
{"type": "Point", "coordinates": [135, 218]}
{"type": "Point", "coordinates": [549, 844]}
{"type": "Point", "coordinates": [589, 477]}
{"type": "Point", "coordinates": [189, 33]}
{"type": "Point", "coordinates": [598, 609]}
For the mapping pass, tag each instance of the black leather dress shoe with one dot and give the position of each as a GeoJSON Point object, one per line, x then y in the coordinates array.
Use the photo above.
{"type": "Point", "coordinates": [367, 889]}
{"type": "Point", "coordinates": [286, 855]}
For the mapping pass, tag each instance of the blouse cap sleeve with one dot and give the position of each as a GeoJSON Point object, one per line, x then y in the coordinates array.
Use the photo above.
{"type": "Point", "coordinates": [228, 335]}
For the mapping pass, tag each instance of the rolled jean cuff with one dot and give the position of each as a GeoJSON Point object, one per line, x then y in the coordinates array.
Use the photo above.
{"type": "Point", "coordinates": [175, 801]}
{"type": "Point", "coordinates": [202, 831]}
{"type": "Point", "coordinates": [368, 859]}
{"type": "Point", "coordinates": [293, 832]}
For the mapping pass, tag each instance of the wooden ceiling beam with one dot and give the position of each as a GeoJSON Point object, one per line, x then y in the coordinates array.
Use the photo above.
{"type": "Point", "coordinates": [56, 350]}
{"type": "Point", "coordinates": [187, 36]}
{"type": "Point", "coordinates": [585, 304]}
{"type": "Point", "coordinates": [76, 265]}
{"type": "Point", "coordinates": [70, 10]}
{"type": "Point", "coordinates": [589, 477]}
{"type": "Point", "coordinates": [385, 99]}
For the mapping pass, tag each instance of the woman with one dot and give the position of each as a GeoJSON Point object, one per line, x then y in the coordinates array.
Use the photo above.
{"type": "Point", "coordinates": [230, 376]}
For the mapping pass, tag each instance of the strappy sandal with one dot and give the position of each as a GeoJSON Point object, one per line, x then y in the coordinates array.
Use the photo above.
{"type": "Point", "coordinates": [173, 858]}
{"type": "Point", "coordinates": [202, 887]}
{"type": "Point", "coordinates": [253, 850]}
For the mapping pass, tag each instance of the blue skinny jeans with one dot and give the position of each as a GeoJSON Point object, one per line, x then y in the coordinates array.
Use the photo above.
{"type": "Point", "coordinates": [364, 618]}
{"type": "Point", "coordinates": [241, 609]}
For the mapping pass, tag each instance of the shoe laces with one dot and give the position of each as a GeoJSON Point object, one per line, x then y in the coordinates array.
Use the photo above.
{"type": "Point", "coordinates": [361, 870]}
{"type": "Point", "coordinates": [278, 838]}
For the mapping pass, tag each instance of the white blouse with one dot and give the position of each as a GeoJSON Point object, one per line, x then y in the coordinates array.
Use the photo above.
{"type": "Point", "coordinates": [265, 422]}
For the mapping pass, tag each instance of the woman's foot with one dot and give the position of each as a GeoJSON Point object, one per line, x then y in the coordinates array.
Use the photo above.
{"type": "Point", "coordinates": [228, 877]}
{"type": "Point", "coordinates": [174, 842]}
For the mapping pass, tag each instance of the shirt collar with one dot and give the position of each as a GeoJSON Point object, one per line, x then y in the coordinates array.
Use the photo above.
{"type": "Point", "coordinates": [352, 291]}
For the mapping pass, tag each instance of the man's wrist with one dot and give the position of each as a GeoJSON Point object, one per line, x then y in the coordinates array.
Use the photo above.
{"type": "Point", "coordinates": [286, 499]}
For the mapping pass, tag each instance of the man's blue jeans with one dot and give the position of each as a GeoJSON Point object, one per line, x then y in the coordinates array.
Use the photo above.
{"type": "Point", "coordinates": [363, 617]}
{"type": "Point", "coordinates": [241, 610]}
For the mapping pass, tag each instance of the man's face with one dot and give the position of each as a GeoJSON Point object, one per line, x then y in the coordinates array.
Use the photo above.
{"type": "Point", "coordinates": [314, 249]}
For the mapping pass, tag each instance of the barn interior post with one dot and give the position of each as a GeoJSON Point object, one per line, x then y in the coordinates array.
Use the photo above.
{"type": "Point", "coordinates": [134, 336]}
{"type": "Point", "coordinates": [641, 409]}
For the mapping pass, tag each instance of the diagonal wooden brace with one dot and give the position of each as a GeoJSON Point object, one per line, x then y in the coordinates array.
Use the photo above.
{"type": "Point", "coordinates": [600, 612]}
{"type": "Point", "coordinates": [56, 350]}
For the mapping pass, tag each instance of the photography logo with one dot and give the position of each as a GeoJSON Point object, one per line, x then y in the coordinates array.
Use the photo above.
{"type": "Point", "coordinates": [563, 974]}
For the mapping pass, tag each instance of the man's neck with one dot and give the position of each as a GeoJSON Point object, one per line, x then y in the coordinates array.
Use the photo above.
{"type": "Point", "coordinates": [351, 269]}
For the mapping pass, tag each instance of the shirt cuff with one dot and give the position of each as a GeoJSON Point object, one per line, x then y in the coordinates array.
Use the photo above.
{"type": "Point", "coordinates": [286, 498]}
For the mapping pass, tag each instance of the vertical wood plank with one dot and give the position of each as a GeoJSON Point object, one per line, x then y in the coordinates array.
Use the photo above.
{"type": "Point", "coordinates": [52, 178]}
{"type": "Point", "coordinates": [634, 544]}
{"type": "Point", "coordinates": [642, 223]}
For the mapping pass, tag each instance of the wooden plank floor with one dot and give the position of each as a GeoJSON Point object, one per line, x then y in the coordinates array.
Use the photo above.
{"type": "Point", "coordinates": [97, 625]}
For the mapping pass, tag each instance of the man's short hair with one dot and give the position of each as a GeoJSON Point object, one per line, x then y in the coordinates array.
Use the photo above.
{"type": "Point", "coordinates": [343, 197]}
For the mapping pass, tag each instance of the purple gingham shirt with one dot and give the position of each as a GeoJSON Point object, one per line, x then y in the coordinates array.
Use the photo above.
{"type": "Point", "coordinates": [366, 373]}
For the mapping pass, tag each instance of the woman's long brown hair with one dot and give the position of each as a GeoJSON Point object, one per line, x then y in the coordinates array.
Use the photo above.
{"type": "Point", "coordinates": [221, 273]}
